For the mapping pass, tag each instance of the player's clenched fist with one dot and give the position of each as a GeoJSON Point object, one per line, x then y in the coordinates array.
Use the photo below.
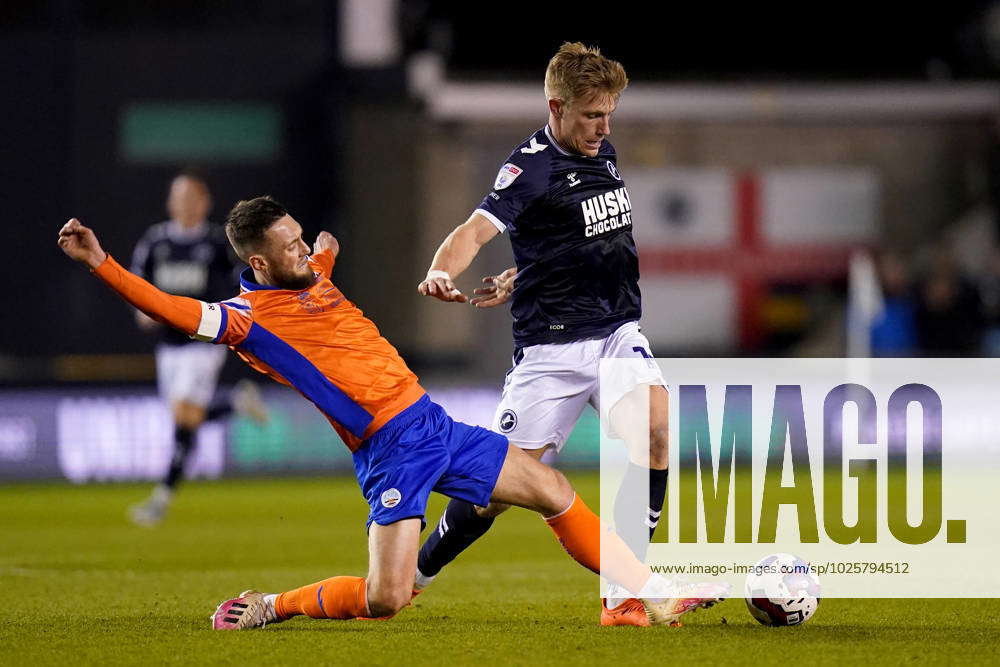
{"type": "Point", "coordinates": [326, 241]}
{"type": "Point", "coordinates": [80, 243]}
{"type": "Point", "coordinates": [438, 284]}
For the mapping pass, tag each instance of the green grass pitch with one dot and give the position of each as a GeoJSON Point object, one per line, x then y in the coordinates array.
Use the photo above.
{"type": "Point", "coordinates": [80, 585]}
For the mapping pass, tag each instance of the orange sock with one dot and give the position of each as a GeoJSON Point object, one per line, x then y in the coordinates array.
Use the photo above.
{"type": "Point", "coordinates": [581, 533]}
{"type": "Point", "coordinates": [337, 597]}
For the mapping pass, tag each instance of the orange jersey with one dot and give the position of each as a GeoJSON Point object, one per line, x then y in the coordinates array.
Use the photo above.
{"type": "Point", "coordinates": [314, 340]}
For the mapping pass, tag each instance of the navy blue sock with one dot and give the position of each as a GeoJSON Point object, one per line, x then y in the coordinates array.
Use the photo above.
{"type": "Point", "coordinates": [183, 446]}
{"type": "Point", "coordinates": [218, 411]}
{"type": "Point", "coordinates": [637, 527]}
{"type": "Point", "coordinates": [457, 529]}
{"type": "Point", "coordinates": [657, 495]}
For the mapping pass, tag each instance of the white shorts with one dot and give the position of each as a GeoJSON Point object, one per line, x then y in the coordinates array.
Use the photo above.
{"type": "Point", "coordinates": [549, 385]}
{"type": "Point", "coordinates": [189, 372]}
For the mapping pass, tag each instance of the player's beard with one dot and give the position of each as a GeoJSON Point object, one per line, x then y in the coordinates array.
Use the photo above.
{"type": "Point", "coordinates": [294, 281]}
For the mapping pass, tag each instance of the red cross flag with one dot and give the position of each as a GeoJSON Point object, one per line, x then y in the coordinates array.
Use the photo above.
{"type": "Point", "coordinates": [713, 243]}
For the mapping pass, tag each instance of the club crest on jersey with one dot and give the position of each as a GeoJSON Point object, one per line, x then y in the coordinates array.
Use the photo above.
{"type": "Point", "coordinates": [613, 170]}
{"type": "Point", "coordinates": [391, 498]}
{"type": "Point", "coordinates": [508, 420]}
{"type": "Point", "coordinates": [507, 174]}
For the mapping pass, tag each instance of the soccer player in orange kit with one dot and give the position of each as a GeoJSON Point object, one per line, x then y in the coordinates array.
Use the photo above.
{"type": "Point", "coordinates": [290, 322]}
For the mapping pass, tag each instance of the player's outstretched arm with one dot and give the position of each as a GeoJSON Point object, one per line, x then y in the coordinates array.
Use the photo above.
{"type": "Point", "coordinates": [182, 313]}
{"type": "Point", "coordinates": [454, 256]}
{"type": "Point", "coordinates": [497, 289]}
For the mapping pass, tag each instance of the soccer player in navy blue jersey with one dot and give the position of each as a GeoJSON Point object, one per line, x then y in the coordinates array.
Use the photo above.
{"type": "Point", "coordinates": [190, 256]}
{"type": "Point", "coordinates": [574, 297]}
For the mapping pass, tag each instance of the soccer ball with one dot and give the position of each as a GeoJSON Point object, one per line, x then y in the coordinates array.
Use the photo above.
{"type": "Point", "coordinates": [782, 590]}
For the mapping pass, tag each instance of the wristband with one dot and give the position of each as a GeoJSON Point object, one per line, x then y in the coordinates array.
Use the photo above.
{"type": "Point", "coordinates": [435, 273]}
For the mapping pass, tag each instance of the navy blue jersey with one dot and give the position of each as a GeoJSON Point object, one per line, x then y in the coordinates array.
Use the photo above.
{"type": "Point", "coordinates": [197, 263]}
{"type": "Point", "coordinates": [570, 223]}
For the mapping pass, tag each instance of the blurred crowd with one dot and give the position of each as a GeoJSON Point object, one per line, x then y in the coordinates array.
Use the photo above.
{"type": "Point", "coordinates": [932, 307]}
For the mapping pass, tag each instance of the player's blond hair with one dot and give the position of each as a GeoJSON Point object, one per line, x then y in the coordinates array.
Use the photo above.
{"type": "Point", "coordinates": [578, 71]}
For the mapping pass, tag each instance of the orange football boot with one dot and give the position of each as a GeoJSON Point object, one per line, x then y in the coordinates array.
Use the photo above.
{"type": "Point", "coordinates": [629, 612]}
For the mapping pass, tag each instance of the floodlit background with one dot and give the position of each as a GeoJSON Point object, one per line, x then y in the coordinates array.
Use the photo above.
{"type": "Point", "coordinates": [819, 183]}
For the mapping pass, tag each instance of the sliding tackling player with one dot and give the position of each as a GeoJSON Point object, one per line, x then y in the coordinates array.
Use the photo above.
{"type": "Point", "coordinates": [291, 323]}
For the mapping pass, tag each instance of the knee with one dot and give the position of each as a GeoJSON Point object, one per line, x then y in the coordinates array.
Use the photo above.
{"type": "Point", "coordinates": [492, 510]}
{"type": "Point", "coordinates": [659, 437]}
{"type": "Point", "coordinates": [188, 415]}
{"type": "Point", "coordinates": [561, 493]}
{"type": "Point", "coordinates": [388, 600]}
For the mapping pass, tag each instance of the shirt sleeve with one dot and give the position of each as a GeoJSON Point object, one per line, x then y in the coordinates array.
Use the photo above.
{"type": "Point", "coordinates": [209, 322]}
{"type": "Point", "coordinates": [517, 185]}
{"type": "Point", "coordinates": [324, 262]}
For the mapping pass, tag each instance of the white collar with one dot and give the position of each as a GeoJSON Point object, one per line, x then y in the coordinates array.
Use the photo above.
{"type": "Point", "coordinates": [548, 133]}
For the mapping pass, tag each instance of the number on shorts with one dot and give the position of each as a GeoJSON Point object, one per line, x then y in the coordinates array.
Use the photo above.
{"type": "Point", "coordinates": [646, 355]}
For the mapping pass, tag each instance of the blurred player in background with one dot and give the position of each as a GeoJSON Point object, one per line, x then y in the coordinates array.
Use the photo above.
{"type": "Point", "coordinates": [188, 255]}
{"type": "Point", "coordinates": [575, 300]}
{"type": "Point", "coordinates": [291, 323]}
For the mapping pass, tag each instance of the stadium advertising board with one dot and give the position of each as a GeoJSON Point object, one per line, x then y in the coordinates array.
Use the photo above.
{"type": "Point", "coordinates": [125, 434]}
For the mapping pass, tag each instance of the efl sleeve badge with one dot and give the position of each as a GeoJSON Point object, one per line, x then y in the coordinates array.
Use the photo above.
{"type": "Point", "coordinates": [508, 173]}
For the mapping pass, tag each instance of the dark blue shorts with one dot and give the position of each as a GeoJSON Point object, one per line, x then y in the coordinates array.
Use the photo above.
{"type": "Point", "coordinates": [421, 450]}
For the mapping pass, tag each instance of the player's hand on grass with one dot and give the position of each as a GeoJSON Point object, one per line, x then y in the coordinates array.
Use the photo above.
{"type": "Point", "coordinates": [80, 243]}
{"type": "Point", "coordinates": [326, 241]}
{"type": "Point", "coordinates": [438, 284]}
{"type": "Point", "coordinates": [497, 290]}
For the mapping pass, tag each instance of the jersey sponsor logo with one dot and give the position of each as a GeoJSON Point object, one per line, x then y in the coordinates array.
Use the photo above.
{"type": "Point", "coordinates": [605, 212]}
{"type": "Point", "coordinates": [613, 170]}
{"type": "Point", "coordinates": [181, 277]}
{"type": "Point", "coordinates": [508, 173]}
{"type": "Point", "coordinates": [391, 498]}
{"type": "Point", "coordinates": [507, 421]}
{"type": "Point", "coordinates": [573, 180]}
{"type": "Point", "coordinates": [534, 147]}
